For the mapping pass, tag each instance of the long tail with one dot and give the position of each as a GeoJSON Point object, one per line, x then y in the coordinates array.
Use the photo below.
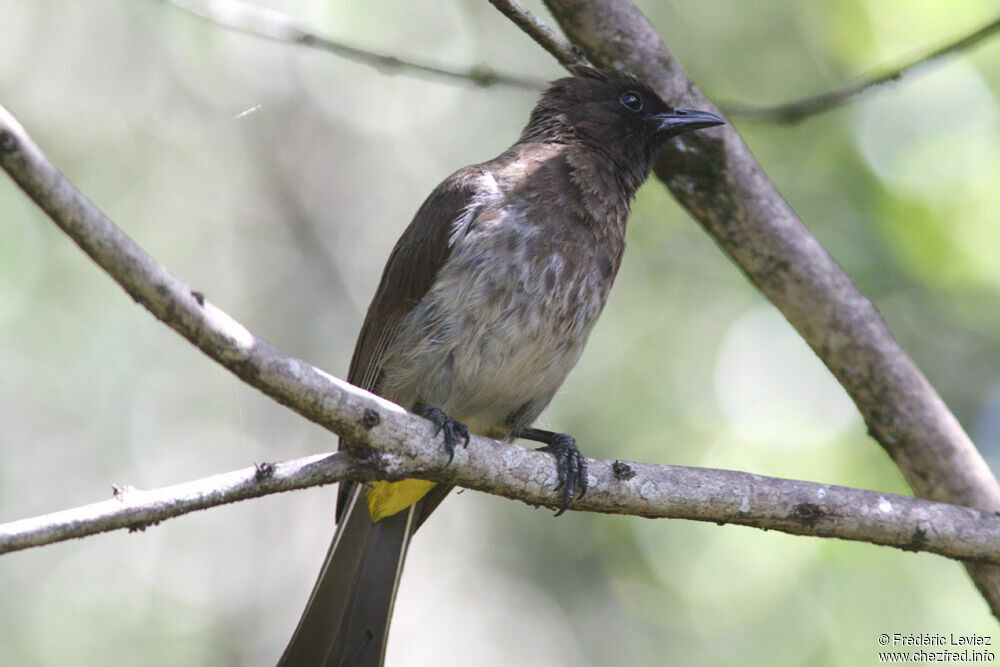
{"type": "Point", "coordinates": [346, 622]}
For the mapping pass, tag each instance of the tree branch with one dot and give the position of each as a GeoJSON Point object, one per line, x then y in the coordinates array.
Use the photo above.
{"type": "Point", "coordinates": [136, 510]}
{"type": "Point", "coordinates": [279, 27]}
{"type": "Point", "coordinates": [399, 444]}
{"type": "Point", "coordinates": [713, 174]}
{"type": "Point", "coordinates": [566, 53]}
{"type": "Point", "coordinates": [617, 487]}
{"type": "Point", "coordinates": [792, 112]}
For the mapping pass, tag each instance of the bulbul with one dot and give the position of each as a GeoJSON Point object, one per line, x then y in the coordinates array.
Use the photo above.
{"type": "Point", "coordinates": [483, 308]}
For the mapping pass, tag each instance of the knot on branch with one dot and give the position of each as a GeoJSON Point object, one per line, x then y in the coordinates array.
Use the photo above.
{"type": "Point", "coordinates": [917, 541]}
{"type": "Point", "coordinates": [263, 471]}
{"type": "Point", "coordinates": [808, 514]}
{"type": "Point", "coordinates": [370, 419]}
{"type": "Point", "coordinates": [8, 142]}
{"type": "Point", "coordinates": [622, 471]}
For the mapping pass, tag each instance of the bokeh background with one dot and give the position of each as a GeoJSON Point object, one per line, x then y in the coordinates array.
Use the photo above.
{"type": "Point", "coordinates": [276, 179]}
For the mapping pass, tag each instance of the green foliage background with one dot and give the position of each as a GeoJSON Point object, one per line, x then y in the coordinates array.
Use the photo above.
{"type": "Point", "coordinates": [284, 215]}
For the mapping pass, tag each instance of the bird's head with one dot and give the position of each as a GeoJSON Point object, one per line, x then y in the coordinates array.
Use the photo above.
{"type": "Point", "coordinates": [612, 111]}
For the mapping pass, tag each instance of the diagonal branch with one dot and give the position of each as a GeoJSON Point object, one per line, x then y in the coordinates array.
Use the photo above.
{"type": "Point", "coordinates": [792, 112]}
{"type": "Point", "coordinates": [566, 53]}
{"type": "Point", "coordinates": [403, 445]}
{"type": "Point", "coordinates": [716, 178]}
{"type": "Point", "coordinates": [278, 27]}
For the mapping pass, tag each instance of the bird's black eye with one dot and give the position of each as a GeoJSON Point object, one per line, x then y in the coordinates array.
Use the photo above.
{"type": "Point", "coordinates": [631, 100]}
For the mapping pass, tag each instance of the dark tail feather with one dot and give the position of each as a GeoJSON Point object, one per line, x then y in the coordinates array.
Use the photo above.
{"type": "Point", "coordinates": [346, 622]}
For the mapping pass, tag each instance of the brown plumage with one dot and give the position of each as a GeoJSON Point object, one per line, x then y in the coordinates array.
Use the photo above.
{"type": "Point", "coordinates": [484, 307]}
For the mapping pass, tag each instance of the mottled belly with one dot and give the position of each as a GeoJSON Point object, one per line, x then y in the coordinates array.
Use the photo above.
{"type": "Point", "coordinates": [496, 335]}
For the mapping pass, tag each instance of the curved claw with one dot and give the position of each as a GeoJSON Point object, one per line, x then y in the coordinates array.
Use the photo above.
{"type": "Point", "coordinates": [453, 429]}
{"type": "Point", "coordinates": [572, 467]}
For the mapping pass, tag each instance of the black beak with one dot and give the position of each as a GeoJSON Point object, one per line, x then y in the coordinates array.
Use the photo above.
{"type": "Point", "coordinates": [675, 122]}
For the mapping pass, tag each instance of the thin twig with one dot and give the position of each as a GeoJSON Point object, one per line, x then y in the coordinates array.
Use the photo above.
{"type": "Point", "coordinates": [566, 53]}
{"type": "Point", "coordinates": [136, 509]}
{"type": "Point", "coordinates": [796, 110]}
{"type": "Point", "coordinates": [280, 27]}
{"type": "Point", "coordinates": [404, 445]}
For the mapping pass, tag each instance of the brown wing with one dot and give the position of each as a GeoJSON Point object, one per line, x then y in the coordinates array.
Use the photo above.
{"type": "Point", "coordinates": [409, 273]}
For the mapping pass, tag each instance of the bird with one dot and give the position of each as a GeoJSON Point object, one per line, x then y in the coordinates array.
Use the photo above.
{"type": "Point", "coordinates": [483, 308]}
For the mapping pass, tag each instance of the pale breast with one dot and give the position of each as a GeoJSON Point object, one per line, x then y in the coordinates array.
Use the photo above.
{"type": "Point", "coordinates": [504, 323]}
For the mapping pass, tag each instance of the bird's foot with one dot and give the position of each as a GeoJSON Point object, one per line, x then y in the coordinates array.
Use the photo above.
{"type": "Point", "coordinates": [453, 430]}
{"type": "Point", "coordinates": [570, 463]}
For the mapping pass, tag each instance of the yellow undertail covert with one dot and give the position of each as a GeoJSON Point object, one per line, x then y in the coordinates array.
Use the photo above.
{"type": "Point", "coordinates": [387, 498]}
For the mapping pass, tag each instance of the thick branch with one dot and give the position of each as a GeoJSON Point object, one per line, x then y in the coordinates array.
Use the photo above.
{"type": "Point", "coordinates": [794, 111]}
{"type": "Point", "coordinates": [713, 174]}
{"type": "Point", "coordinates": [279, 27]}
{"type": "Point", "coordinates": [700, 494]}
{"type": "Point", "coordinates": [316, 395]}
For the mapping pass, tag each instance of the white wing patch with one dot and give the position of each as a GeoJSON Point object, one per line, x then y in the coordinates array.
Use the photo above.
{"type": "Point", "coordinates": [487, 192]}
